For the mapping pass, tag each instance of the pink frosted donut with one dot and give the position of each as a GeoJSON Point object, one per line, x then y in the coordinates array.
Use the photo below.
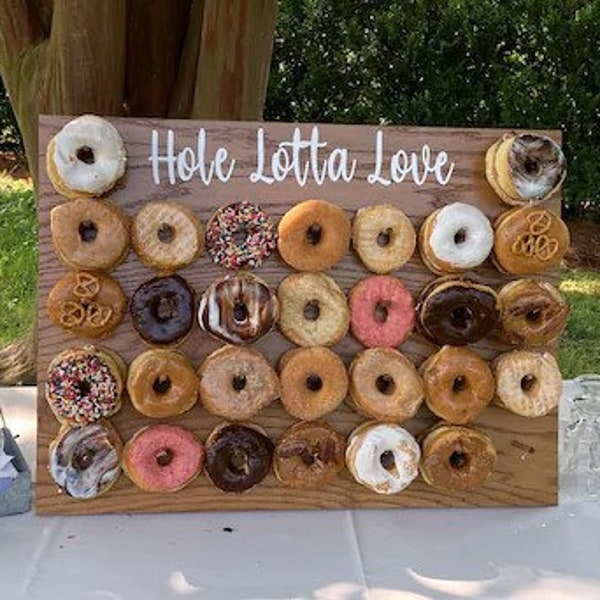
{"type": "Point", "coordinates": [382, 312]}
{"type": "Point", "coordinates": [163, 458]}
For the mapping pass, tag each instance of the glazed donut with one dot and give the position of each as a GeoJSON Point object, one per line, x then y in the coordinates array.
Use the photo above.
{"type": "Point", "coordinates": [85, 384]}
{"type": "Point", "coordinates": [238, 456]}
{"type": "Point", "coordinates": [163, 458]}
{"type": "Point", "coordinates": [456, 311]}
{"type": "Point", "coordinates": [532, 313]}
{"type": "Point", "coordinates": [90, 234]}
{"type": "Point", "coordinates": [314, 235]}
{"type": "Point", "coordinates": [381, 311]}
{"type": "Point", "coordinates": [238, 309]}
{"type": "Point", "coordinates": [529, 240]}
{"type": "Point", "coordinates": [383, 237]}
{"type": "Point", "coordinates": [525, 168]}
{"type": "Point", "coordinates": [162, 310]}
{"type": "Point", "coordinates": [528, 383]}
{"type": "Point", "coordinates": [313, 310]}
{"type": "Point", "coordinates": [384, 385]}
{"type": "Point", "coordinates": [167, 236]}
{"type": "Point", "coordinates": [458, 384]}
{"type": "Point", "coordinates": [241, 219]}
{"type": "Point", "coordinates": [456, 457]}
{"type": "Point", "coordinates": [309, 455]}
{"type": "Point", "coordinates": [86, 304]}
{"type": "Point", "coordinates": [236, 382]}
{"type": "Point", "coordinates": [85, 158]}
{"type": "Point", "coordinates": [85, 461]}
{"type": "Point", "coordinates": [162, 383]}
{"type": "Point", "coordinates": [313, 382]}
{"type": "Point", "coordinates": [382, 457]}
{"type": "Point", "coordinates": [455, 238]}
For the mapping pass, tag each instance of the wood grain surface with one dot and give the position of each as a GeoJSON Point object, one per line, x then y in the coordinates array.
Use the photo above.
{"type": "Point", "coordinates": [526, 471]}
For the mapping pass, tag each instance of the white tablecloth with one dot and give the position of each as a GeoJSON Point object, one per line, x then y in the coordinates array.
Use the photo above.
{"type": "Point", "coordinates": [541, 553]}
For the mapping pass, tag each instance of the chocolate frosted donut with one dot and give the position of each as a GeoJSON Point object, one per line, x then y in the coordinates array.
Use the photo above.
{"type": "Point", "coordinates": [162, 310]}
{"type": "Point", "coordinates": [238, 309]}
{"type": "Point", "coordinates": [238, 457]}
{"type": "Point", "coordinates": [456, 311]}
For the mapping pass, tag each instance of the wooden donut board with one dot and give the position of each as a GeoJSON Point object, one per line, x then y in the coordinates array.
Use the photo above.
{"type": "Point", "coordinates": [526, 471]}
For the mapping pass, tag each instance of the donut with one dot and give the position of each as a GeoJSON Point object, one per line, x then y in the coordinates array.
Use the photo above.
{"type": "Point", "coordinates": [163, 458]}
{"type": "Point", "coordinates": [532, 313]}
{"type": "Point", "coordinates": [238, 456]}
{"type": "Point", "coordinates": [309, 455]}
{"type": "Point", "coordinates": [313, 310]}
{"type": "Point", "coordinates": [455, 238]}
{"type": "Point", "coordinates": [384, 385]}
{"type": "Point", "coordinates": [314, 235]}
{"type": "Point", "coordinates": [85, 384]}
{"type": "Point", "coordinates": [458, 384]}
{"type": "Point", "coordinates": [238, 309]}
{"type": "Point", "coordinates": [382, 312]}
{"type": "Point", "coordinates": [162, 310]}
{"type": "Point", "coordinates": [456, 457]}
{"type": "Point", "coordinates": [240, 235]}
{"type": "Point", "coordinates": [236, 382]}
{"type": "Point", "coordinates": [86, 304]}
{"type": "Point", "coordinates": [313, 382]}
{"type": "Point", "coordinates": [527, 383]}
{"type": "Point", "coordinates": [456, 311]}
{"type": "Point", "coordinates": [166, 235]}
{"type": "Point", "coordinates": [383, 237]}
{"type": "Point", "coordinates": [383, 457]}
{"type": "Point", "coordinates": [90, 234]}
{"type": "Point", "coordinates": [85, 158]}
{"type": "Point", "coordinates": [85, 461]}
{"type": "Point", "coordinates": [529, 240]}
{"type": "Point", "coordinates": [162, 383]}
{"type": "Point", "coordinates": [525, 168]}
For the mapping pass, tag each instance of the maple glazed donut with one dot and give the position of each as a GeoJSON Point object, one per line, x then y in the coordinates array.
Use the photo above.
{"type": "Point", "coordinates": [314, 235]}
{"type": "Point", "coordinates": [162, 310]}
{"type": "Point", "coordinates": [85, 461]}
{"type": "Point", "coordinates": [238, 309]}
{"type": "Point", "coordinates": [162, 383]}
{"type": "Point", "coordinates": [90, 234]}
{"type": "Point", "coordinates": [238, 456]}
{"type": "Point", "coordinates": [314, 382]}
{"type": "Point", "coordinates": [525, 168]}
{"type": "Point", "coordinates": [384, 385]}
{"type": "Point", "coordinates": [163, 458]}
{"type": "Point", "coordinates": [529, 240]}
{"type": "Point", "coordinates": [309, 455]}
{"type": "Point", "coordinates": [240, 235]}
{"type": "Point", "coordinates": [166, 235]}
{"type": "Point", "coordinates": [458, 384]}
{"type": "Point", "coordinates": [85, 158]}
{"type": "Point", "coordinates": [383, 457]}
{"type": "Point", "coordinates": [456, 311]}
{"type": "Point", "coordinates": [455, 238]}
{"type": "Point", "coordinates": [85, 384]}
{"type": "Point", "coordinates": [456, 457]}
{"type": "Point", "coordinates": [528, 383]}
{"type": "Point", "coordinates": [382, 312]}
{"type": "Point", "coordinates": [532, 313]}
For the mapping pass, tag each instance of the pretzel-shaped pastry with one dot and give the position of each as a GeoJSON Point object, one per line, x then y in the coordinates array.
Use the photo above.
{"type": "Point", "coordinates": [72, 314]}
{"type": "Point", "coordinates": [86, 286]}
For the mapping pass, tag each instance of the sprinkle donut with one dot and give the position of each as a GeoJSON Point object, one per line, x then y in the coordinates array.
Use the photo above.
{"type": "Point", "coordinates": [163, 458]}
{"type": "Point", "coordinates": [240, 219]}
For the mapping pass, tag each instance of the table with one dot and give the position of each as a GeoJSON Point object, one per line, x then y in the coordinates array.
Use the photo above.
{"type": "Point", "coordinates": [543, 553]}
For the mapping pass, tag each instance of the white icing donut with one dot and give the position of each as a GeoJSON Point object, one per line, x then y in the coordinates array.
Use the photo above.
{"type": "Point", "coordinates": [383, 457]}
{"type": "Point", "coordinates": [86, 157]}
{"type": "Point", "coordinates": [461, 236]}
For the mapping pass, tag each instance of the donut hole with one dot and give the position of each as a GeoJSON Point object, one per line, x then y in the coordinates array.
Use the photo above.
{"type": "Point", "coordinates": [238, 382]}
{"type": "Point", "coordinates": [238, 462]}
{"type": "Point", "coordinates": [387, 460]}
{"type": "Point", "coordinates": [380, 311]}
{"type": "Point", "coordinates": [459, 384]}
{"type": "Point", "coordinates": [384, 237]}
{"type": "Point", "coordinates": [460, 237]}
{"type": "Point", "coordinates": [531, 166]}
{"type": "Point", "coordinates": [83, 388]}
{"type": "Point", "coordinates": [385, 384]}
{"type": "Point", "coordinates": [314, 383]}
{"type": "Point", "coordinates": [162, 384]}
{"type": "Point", "coordinates": [307, 457]}
{"type": "Point", "coordinates": [458, 460]}
{"type": "Point", "coordinates": [314, 234]}
{"type": "Point", "coordinates": [86, 155]}
{"type": "Point", "coordinates": [312, 310]}
{"type": "Point", "coordinates": [461, 317]}
{"type": "Point", "coordinates": [534, 315]}
{"type": "Point", "coordinates": [528, 382]}
{"type": "Point", "coordinates": [240, 312]}
{"type": "Point", "coordinates": [165, 308]}
{"type": "Point", "coordinates": [164, 457]}
{"type": "Point", "coordinates": [165, 233]}
{"type": "Point", "coordinates": [83, 459]}
{"type": "Point", "coordinates": [88, 231]}
{"type": "Point", "coordinates": [239, 236]}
